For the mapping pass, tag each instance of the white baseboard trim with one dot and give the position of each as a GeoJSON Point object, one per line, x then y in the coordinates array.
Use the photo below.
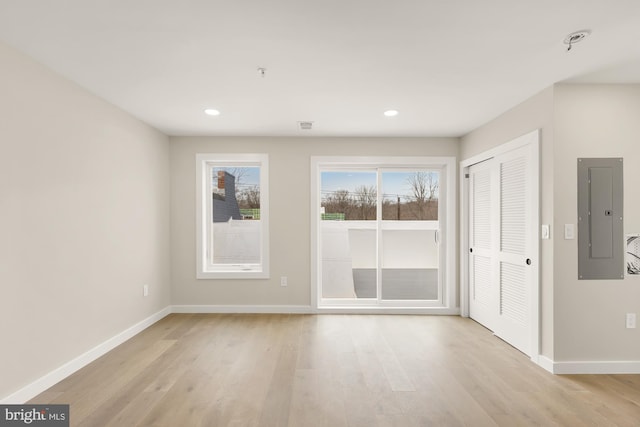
{"type": "Point", "coordinates": [610, 367]}
{"type": "Point", "coordinates": [305, 309]}
{"type": "Point", "coordinates": [545, 363]}
{"type": "Point", "coordinates": [589, 367]}
{"type": "Point", "coordinates": [274, 309]}
{"type": "Point", "coordinates": [38, 386]}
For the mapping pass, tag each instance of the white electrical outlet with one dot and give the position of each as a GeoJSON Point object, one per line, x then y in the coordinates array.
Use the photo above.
{"type": "Point", "coordinates": [145, 290]}
{"type": "Point", "coordinates": [283, 281]}
{"type": "Point", "coordinates": [545, 232]}
{"type": "Point", "coordinates": [569, 232]}
{"type": "Point", "coordinates": [631, 320]}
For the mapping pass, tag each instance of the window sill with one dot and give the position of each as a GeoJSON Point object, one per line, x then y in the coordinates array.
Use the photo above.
{"type": "Point", "coordinates": [226, 275]}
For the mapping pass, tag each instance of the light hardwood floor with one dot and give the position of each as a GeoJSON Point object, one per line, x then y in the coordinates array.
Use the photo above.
{"type": "Point", "coordinates": [333, 370]}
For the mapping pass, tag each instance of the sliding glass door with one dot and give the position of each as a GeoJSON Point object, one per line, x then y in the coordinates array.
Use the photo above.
{"type": "Point", "coordinates": [408, 235]}
{"type": "Point", "coordinates": [348, 213]}
{"type": "Point", "coordinates": [380, 235]}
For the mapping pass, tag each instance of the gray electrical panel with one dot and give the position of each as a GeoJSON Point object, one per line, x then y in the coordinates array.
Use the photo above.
{"type": "Point", "coordinates": [600, 226]}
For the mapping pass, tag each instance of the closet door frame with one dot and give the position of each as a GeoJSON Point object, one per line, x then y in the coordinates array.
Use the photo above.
{"type": "Point", "coordinates": [530, 139]}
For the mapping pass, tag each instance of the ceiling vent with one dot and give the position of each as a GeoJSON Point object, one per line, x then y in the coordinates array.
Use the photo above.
{"type": "Point", "coordinates": [305, 125]}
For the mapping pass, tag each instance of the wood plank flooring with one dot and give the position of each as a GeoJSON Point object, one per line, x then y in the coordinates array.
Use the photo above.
{"type": "Point", "coordinates": [333, 370]}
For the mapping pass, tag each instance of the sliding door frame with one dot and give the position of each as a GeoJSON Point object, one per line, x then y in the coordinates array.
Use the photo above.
{"type": "Point", "coordinates": [447, 168]}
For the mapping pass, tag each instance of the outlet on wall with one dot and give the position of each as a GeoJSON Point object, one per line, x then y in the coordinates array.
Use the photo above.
{"type": "Point", "coordinates": [283, 281]}
{"type": "Point", "coordinates": [631, 320]}
{"type": "Point", "coordinates": [545, 232]}
{"type": "Point", "coordinates": [145, 290]}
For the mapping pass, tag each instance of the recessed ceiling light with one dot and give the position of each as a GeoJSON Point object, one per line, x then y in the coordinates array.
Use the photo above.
{"type": "Point", "coordinates": [391, 113]}
{"type": "Point", "coordinates": [212, 112]}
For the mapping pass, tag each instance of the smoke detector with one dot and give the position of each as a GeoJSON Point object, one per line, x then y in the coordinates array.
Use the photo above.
{"type": "Point", "coordinates": [305, 125]}
{"type": "Point", "coordinates": [576, 37]}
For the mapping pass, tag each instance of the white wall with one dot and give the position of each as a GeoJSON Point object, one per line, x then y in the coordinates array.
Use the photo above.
{"type": "Point", "coordinates": [535, 113]}
{"type": "Point", "coordinates": [594, 121]}
{"type": "Point", "coordinates": [289, 187]}
{"type": "Point", "coordinates": [84, 219]}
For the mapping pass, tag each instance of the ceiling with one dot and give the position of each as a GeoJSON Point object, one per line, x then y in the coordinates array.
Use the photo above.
{"type": "Point", "coordinates": [446, 66]}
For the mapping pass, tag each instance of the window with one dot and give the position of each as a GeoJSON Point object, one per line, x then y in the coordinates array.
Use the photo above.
{"type": "Point", "coordinates": [232, 216]}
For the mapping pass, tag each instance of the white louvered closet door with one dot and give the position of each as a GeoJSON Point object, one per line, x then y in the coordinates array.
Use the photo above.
{"type": "Point", "coordinates": [514, 270]}
{"type": "Point", "coordinates": [501, 245]}
{"type": "Point", "coordinates": [483, 291]}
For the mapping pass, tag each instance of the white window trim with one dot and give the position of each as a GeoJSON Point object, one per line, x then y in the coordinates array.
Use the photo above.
{"type": "Point", "coordinates": [447, 165]}
{"type": "Point", "coordinates": [203, 213]}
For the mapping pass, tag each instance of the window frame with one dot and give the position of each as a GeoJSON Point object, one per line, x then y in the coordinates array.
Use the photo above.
{"type": "Point", "coordinates": [205, 269]}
